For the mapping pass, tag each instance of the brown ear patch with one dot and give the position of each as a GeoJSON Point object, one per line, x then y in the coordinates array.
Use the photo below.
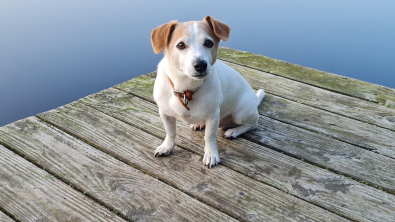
{"type": "Point", "coordinates": [161, 36]}
{"type": "Point", "coordinates": [220, 29]}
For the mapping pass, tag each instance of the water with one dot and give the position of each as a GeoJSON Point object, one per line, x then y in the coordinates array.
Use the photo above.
{"type": "Point", "coordinates": [55, 52]}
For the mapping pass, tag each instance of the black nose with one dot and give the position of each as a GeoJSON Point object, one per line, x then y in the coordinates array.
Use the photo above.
{"type": "Point", "coordinates": [200, 66]}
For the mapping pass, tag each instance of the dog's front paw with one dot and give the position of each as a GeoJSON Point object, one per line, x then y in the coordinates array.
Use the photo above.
{"type": "Point", "coordinates": [197, 127]}
{"type": "Point", "coordinates": [163, 149]}
{"type": "Point", "coordinates": [211, 158]}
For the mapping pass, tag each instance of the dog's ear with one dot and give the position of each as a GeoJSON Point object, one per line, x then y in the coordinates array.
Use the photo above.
{"type": "Point", "coordinates": [161, 35]}
{"type": "Point", "coordinates": [221, 30]}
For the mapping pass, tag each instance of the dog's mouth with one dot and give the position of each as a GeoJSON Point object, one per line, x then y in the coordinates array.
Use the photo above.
{"type": "Point", "coordinates": [199, 78]}
{"type": "Point", "coordinates": [198, 75]}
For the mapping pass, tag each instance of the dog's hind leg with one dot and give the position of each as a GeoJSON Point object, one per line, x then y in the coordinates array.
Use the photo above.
{"type": "Point", "coordinates": [197, 127]}
{"type": "Point", "coordinates": [246, 118]}
{"type": "Point", "coordinates": [235, 132]}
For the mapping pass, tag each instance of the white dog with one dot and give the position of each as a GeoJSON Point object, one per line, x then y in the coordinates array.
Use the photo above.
{"type": "Point", "coordinates": [221, 96]}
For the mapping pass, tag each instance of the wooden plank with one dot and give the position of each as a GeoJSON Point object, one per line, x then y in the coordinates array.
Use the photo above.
{"type": "Point", "coordinates": [142, 86]}
{"type": "Point", "coordinates": [345, 129]}
{"type": "Point", "coordinates": [326, 189]}
{"type": "Point", "coordinates": [321, 150]}
{"type": "Point", "coordinates": [135, 195]}
{"type": "Point", "coordinates": [5, 218]}
{"type": "Point", "coordinates": [31, 194]}
{"type": "Point", "coordinates": [333, 82]}
{"type": "Point", "coordinates": [221, 187]}
{"type": "Point", "coordinates": [361, 134]}
{"type": "Point", "coordinates": [320, 98]}
{"type": "Point", "coordinates": [329, 153]}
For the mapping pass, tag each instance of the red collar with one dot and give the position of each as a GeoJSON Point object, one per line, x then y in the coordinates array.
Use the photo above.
{"type": "Point", "coordinates": [183, 97]}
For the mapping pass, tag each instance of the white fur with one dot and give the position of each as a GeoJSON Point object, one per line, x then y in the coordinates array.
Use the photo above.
{"type": "Point", "coordinates": [223, 95]}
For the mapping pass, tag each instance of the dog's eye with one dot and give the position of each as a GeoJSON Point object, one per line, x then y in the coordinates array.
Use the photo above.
{"type": "Point", "coordinates": [181, 45]}
{"type": "Point", "coordinates": [208, 43]}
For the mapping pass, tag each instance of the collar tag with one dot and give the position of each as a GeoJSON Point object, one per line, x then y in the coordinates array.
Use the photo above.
{"type": "Point", "coordinates": [185, 99]}
{"type": "Point", "coordinates": [184, 96]}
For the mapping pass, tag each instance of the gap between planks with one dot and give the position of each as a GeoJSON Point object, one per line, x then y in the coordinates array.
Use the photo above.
{"type": "Point", "coordinates": [331, 82]}
{"type": "Point", "coordinates": [53, 174]}
{"type": "Point", "coordinates": [30, 194]}
{"type": "Point", "coordinates": [5, 217]}
{"type": "Point", "coordinates": [352, 152]}
{"type": "Point", "coordinates": [138, 116]}
{"type": "Point", "coordinates": [316, 120]}
{"type": "Point", "coordinates": [77, 119]}
{"type": "Point", "coordinates": [135, 195]}
{"type": "Point", "coordinates": [321, 155]}
{"type": "Point", "coordinates": [357, 133]}
{"type": "Point", "coordinates": [350, 107]}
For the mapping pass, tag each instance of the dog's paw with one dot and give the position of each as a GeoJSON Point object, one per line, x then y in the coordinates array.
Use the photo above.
{"type": "Point", "coordinates": [163, 150]}
{"type": "Point", "coordinates": [211, 159]}
{"type": "Point", "coordinates": [197, 127]}
{"type": "Point", "coordinates": [231, 133]}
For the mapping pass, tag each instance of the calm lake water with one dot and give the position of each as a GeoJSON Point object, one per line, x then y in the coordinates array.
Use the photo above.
{"type": "Point", "coordinates": [55, 52]}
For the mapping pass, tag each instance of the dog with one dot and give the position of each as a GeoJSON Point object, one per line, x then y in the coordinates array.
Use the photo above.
{"type": "Point", "coordinates": [193, 86]}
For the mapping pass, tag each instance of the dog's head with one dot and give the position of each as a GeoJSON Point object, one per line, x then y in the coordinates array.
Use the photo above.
{"type": "Point", "coordinates": [190, 47]}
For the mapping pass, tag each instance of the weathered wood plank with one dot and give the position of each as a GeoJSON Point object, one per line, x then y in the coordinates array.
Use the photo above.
{"type": "Point", "coordinates": [31, 194]}
{"type": "Point", "coordinates": [141, 86]}
{"type": "Point", "coordinates": [135, 195]}
{"type": "Point", "coordinates": [333, 82]}
{"type": "Point", "coordinates": [335, 192]}
{"type": "Point", "coordinates": [345, 129]}
{"type": "Point", "coordinates": [221, 187]}
{"type": "Point", "coordinates": [320, 98]}
{"type": "Point", "coordinates": [348, 130]}
{"type": "Point", "coordinates": [5, 218]}
{"type": "Point", "coordinates": [322, 150]}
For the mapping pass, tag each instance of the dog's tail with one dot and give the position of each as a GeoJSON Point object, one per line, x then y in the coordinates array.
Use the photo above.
{"type": "Point", "coordinates": [259, 96]}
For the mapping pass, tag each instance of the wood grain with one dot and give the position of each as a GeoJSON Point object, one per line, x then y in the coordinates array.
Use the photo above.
{"type": "Point", "coordinates": [235, 194]}
{"type": "Point", "coordinates": [31, 194]}
{"type": "Point", "coordinates": [320, 98]}
{"type": "Point", "coordinates": [142, 86]}
{"type": "Point", "coordinates": [135, 195]}
{"type": "Point", "coordinates": [333, 82]}
{"type": "Point", "coordinates": [348, 130]}
{"type": "Point", "coordinates": [329, 190]}
{"type": "Point", "coordinates": [5, 218]}
{"type": "Point", "coordinates": [326, 152]}
{"type": "Point", "coordinates": [358, 133]}
{"type": "Point", "coordinates": [316, 148]}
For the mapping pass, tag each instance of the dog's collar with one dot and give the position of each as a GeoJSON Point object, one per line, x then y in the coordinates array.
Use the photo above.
{"type": "Point", "coordinates": [184, 97]}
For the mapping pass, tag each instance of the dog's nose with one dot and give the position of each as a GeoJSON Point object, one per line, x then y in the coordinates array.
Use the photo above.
{"type": "Point", "coordinates": [200, 66]}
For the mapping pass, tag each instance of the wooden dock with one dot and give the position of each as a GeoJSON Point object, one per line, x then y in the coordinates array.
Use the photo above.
{"type": "Point", "coordinates": [324, 151]}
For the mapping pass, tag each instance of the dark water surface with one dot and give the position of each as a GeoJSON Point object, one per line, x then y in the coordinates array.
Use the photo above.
{"type": "Point", "coordinates": [55, 52]}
